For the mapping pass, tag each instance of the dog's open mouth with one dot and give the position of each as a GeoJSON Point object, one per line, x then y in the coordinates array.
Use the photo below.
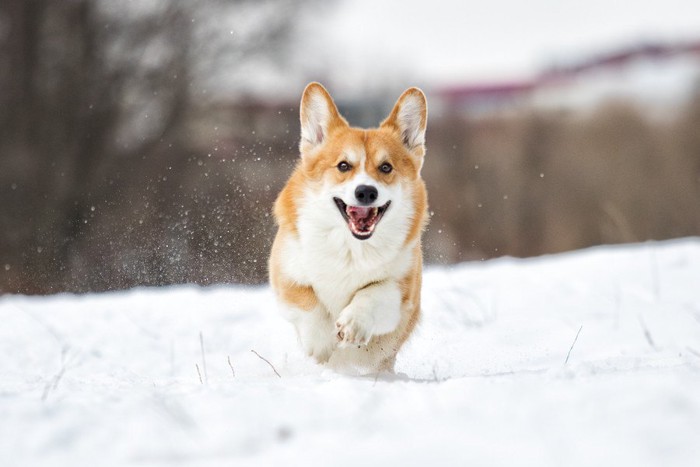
{"type": "Point", "coordinates": [362, 220]}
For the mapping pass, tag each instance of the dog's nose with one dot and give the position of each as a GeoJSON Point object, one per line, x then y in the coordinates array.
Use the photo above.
{"type": "Point", "coordinates": [366, 194]}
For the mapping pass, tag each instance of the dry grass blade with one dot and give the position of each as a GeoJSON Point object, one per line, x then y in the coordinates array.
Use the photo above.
{"type": "Point", "coordinates": [266, 361]}
{"type": "Point", "coordinates": [233, 372]}
{"type": "Point", "coordinates": [204, 360]}
{"type": "Point", "coordinates": [199, 373]}
{"type": "Point", "coordinates": [572, 345]}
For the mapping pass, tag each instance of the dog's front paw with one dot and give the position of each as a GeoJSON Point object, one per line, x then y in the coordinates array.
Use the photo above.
{"type": "Point", "coordinates": [353, 328]}
{"type": "Point", "coordinates": [320, 353]}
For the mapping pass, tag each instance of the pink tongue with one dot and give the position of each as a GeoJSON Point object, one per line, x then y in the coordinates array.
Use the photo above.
{"type": "Point", "coordinates": [358, 213]}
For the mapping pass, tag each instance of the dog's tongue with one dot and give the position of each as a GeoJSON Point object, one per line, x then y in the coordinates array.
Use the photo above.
{"type": "Point", "coordinates": [362, 219]}
{"type": "Point", "coordinates": [358, 213]}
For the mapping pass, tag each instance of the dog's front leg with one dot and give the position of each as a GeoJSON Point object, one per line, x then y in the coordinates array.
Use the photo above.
{"type": "Point", "coordinates": [374, 310]}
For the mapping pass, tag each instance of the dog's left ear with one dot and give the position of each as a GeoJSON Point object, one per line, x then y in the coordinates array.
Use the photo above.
{"type": "Point", "coordinates": [409, 119]}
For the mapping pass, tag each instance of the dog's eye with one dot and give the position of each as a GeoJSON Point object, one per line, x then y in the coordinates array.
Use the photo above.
{"type": "Point", "coordinates": [344, 166]}
{"type": "Point", "coordinates": [386, 168]}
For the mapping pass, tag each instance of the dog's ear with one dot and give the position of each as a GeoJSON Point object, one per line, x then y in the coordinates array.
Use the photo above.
{"type": "Point", "coordinates": [409, 118]}
{"type": "Point", "coordinates": [319, 116]}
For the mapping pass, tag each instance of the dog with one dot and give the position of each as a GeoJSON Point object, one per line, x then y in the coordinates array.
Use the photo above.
{"type": "Point", "coordinates": [346, 262]}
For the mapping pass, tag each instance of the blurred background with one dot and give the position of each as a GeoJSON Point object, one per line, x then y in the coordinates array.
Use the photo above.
{"type": "Point", "coordinates": [143, 142]}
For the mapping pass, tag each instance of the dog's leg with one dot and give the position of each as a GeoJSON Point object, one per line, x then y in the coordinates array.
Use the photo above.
{"type": "Point", "coordinates": [313, 324]}
{"type": "Point", "coordinates": [315, 332]}
{"type": "Point", "coordinates": [374, 310]}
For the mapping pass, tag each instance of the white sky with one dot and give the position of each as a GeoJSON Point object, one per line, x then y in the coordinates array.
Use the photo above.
{"type": "Point", "coordinates": [359, 43]}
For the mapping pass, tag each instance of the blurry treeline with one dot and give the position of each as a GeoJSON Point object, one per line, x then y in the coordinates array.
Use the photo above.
{"type": "Point", "coordinates": [113, 171]}
{"type": "Point", "coordinates": [119, 166]}
{"type": "Point", "coordinates": [539, 181]}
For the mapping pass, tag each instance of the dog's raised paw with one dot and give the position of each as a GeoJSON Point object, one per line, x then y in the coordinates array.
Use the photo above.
{"type": "Point", "coordinates": [351, 330]}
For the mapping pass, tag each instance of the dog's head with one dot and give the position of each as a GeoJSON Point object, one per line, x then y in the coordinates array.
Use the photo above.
{"type": "Point", "coordinates": [366, 177]}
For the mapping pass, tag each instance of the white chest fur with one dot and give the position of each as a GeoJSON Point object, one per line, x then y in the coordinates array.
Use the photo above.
{"type": "Point", "coordinates": [326, 256]}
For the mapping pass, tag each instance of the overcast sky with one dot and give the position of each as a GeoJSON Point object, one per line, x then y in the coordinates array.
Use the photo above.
{"type": "Point", "coordinates": [359, 43]}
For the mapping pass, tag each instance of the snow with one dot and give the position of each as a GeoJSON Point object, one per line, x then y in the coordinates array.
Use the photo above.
{"type": "Point", "coordinates": [110, 379]}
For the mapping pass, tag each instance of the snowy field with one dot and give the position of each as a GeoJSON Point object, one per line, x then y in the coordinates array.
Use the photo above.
{"type": "Point", "coordinates": [114, 379]}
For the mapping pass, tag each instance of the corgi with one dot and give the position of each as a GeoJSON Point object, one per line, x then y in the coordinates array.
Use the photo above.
{"type": "Point", "coordinates": [346, 262]}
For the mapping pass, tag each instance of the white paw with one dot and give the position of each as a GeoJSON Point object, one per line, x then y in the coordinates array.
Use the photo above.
{"type": "Point", "coordinates": [353, 327]}
{"type": "Point", "coordinates": [321, 353]}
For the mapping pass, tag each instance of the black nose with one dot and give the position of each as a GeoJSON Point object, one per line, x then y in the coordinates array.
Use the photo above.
{"type": "Point", "coordinates": [366, 194]}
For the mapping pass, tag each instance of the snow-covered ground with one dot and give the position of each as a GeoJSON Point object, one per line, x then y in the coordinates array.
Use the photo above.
{"type": "Point", "coordinates": [112, 379]}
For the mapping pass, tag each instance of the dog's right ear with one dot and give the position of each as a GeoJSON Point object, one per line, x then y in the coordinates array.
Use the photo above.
{"type": "Point", "coordinates": [319, 116]}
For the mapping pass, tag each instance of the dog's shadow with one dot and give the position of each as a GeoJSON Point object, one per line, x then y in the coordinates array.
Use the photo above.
{"type": "Point", "coordinates": [397, 377]}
